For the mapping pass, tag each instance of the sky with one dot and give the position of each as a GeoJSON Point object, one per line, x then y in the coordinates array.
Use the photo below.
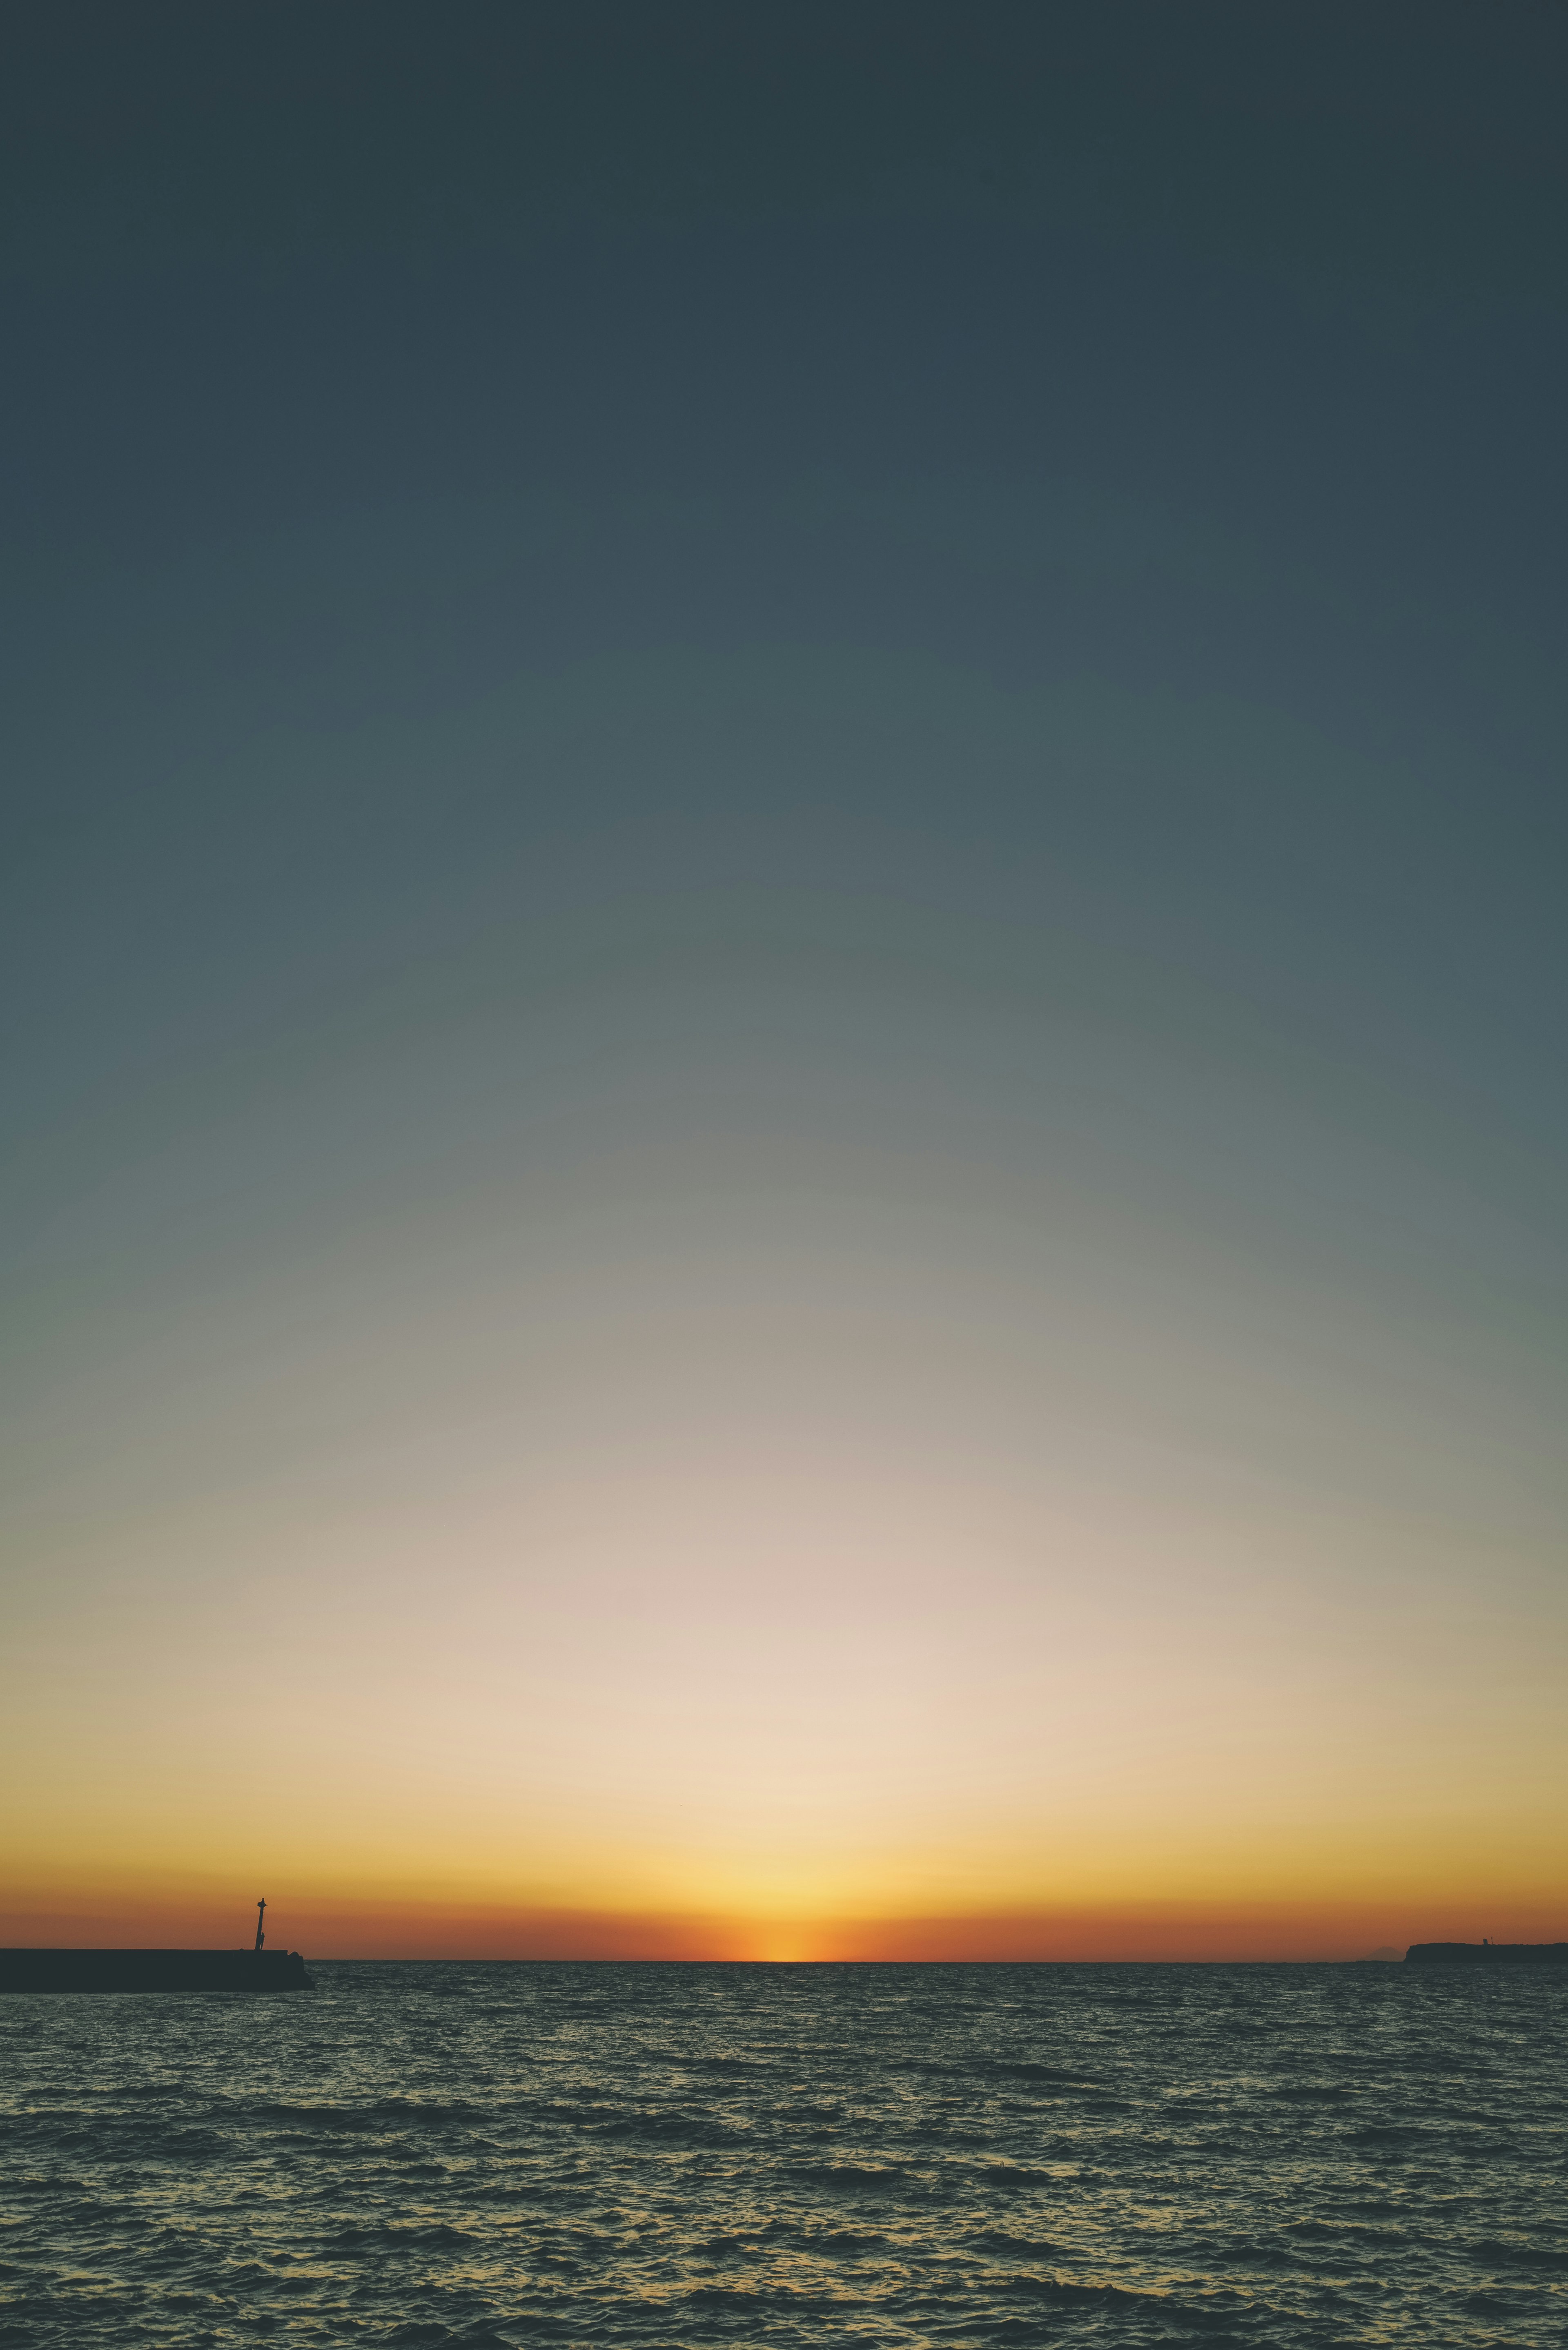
{"type": "Point", "coordinates": [783, 919]}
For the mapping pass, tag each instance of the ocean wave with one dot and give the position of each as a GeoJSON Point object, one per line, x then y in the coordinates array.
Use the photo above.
{"type": "Point", "coordinates": [631, 2159]}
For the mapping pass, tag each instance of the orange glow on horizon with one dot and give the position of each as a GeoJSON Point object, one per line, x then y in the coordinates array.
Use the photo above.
{"type": "Point", "coordinates": [386, 1928]}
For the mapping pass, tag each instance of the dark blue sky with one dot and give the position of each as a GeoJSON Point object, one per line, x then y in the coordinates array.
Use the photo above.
{"type": "Point", "coordinates": [752, 658]}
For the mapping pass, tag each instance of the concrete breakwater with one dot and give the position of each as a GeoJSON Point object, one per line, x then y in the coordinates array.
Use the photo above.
{"type": "Point", "coordinates": [1487, 1954]}
{"type": "Point", "coordinates": [120, 1970]}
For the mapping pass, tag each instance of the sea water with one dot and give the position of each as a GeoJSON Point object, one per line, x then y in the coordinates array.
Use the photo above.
{"type": "Point", "coordinates": [606, 2155]}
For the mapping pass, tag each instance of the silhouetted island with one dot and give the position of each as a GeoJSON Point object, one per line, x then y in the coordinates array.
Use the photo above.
{"type": "Point", "coordinates": [1485, 1954]}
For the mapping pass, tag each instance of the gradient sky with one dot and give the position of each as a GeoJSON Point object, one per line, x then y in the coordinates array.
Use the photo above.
{"type": "Point", "coordinates": [784, 977]}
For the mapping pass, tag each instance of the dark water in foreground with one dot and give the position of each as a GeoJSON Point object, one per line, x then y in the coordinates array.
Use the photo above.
{"type": "Point", "coordinates": [667, 2155]}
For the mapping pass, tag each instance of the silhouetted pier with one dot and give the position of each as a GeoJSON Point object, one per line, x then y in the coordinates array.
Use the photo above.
{"type": "Point", "coordinates": [256, 1970]}
{"type": "Point", "coordinates": [1487, 1954]}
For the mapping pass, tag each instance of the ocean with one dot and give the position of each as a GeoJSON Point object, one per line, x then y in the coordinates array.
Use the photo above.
{"type": "Point", "coordinates": [665, 2154]}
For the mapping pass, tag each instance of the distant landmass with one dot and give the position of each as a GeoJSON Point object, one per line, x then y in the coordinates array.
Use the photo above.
{"type": "Point", "coordinates": [1487, 1954]}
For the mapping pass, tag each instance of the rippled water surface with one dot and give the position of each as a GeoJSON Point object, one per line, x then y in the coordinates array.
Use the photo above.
{"type": "Point", "coordinates": [672, 2155]}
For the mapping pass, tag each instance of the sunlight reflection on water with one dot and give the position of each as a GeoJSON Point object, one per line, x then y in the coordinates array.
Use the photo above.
{"type": "Point", "coordinates": [667, 2155]}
